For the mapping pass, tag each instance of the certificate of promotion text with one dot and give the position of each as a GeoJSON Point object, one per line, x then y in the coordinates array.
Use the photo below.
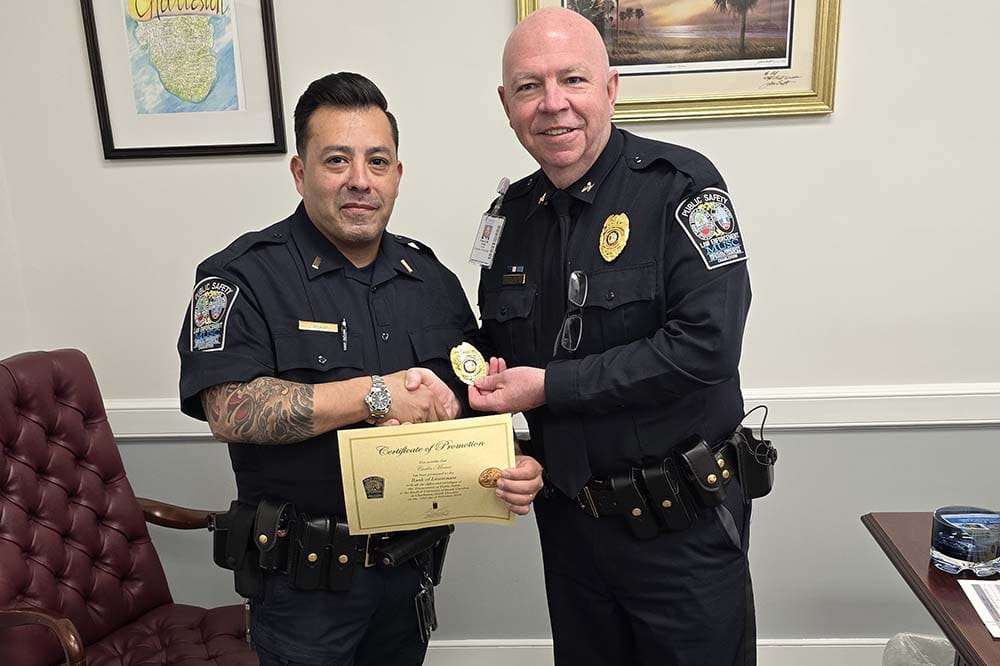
{"type": "Point", "coordinates": [412, 476]}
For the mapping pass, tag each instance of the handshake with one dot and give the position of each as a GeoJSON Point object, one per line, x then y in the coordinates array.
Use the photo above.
{"type": "Point", "coordinates": [419, 396]}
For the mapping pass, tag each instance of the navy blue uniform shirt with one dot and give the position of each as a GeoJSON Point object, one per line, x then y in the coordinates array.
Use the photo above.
{"type": "Point", "coordinates": [664, 316]}
{"type": "Point", "coordinates": [252, 305]}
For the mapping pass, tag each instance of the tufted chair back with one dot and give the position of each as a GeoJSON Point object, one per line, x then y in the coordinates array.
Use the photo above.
{"type": "Point", "coordinates": [73, 539]}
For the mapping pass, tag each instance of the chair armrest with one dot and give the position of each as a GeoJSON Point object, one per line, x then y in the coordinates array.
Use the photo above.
{"type": "Point", "coordinates": [177, 517]}
{"type": "Point", "coordinates": [67, 634]}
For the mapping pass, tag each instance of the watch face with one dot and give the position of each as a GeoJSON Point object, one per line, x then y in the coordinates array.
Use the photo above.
{"type": "Point", "coordinates": [379, 400]}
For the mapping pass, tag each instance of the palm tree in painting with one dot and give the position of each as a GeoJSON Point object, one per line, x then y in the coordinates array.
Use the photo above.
{"type": "Point", "coordinates": [740, 7]}
{"type": "Point", "coordinates": [639, 13]}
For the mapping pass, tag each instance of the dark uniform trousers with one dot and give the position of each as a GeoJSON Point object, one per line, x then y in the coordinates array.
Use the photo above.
{"type": "Point", "coordinates": [283, 302]}
{"type": "Point", "coordinates": [652, 227]}
{"type": "Point", "coordinates": [680, 599]}
{"type": "Point", "coordinates": [372, 624]}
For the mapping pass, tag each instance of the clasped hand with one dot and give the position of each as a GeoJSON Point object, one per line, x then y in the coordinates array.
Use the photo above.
{"type": "Point", "coordinates": [419, 396]}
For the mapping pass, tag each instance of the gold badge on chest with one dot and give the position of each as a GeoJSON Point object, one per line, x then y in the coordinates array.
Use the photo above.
{"type": "Point", "coordinates": [614, 236]}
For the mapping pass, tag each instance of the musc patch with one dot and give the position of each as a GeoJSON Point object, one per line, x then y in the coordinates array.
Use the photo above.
{"type": "Point", "coordinates": [210, 307]}
{"type": "Point", "coordinates": [710, 222]}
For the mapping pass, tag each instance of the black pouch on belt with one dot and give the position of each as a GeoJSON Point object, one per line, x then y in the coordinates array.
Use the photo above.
{"type": "Point", "coordinates": [666, 497]}
{"type": "Point", "coordinates": [271, 533]}
{"type": "Point", "coordinates": [633, 506]}
{"type": "Point", "coordinates": [703, 472]}
{"type": "Point", "coordinates": [755, 458]}
{"type": "Point", "coordinates": [323, 554]}
{"type": "Point", "coordinates": [403, 546]}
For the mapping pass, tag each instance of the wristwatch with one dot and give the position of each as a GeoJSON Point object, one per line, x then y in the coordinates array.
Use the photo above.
{"type": "Point", "coordinates": [379, 400]}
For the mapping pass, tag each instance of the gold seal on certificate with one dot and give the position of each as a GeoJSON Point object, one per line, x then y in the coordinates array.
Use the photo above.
{"type": "Point", "coordinates": [468, 363]}
{"type": "Point", "coordinates": [488, 477]}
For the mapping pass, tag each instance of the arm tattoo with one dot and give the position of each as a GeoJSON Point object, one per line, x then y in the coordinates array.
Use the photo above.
{"type": "Point", "coordinates": [265, 411]}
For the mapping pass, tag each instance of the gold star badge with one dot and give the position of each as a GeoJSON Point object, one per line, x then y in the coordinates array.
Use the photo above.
{"type": "Point", "coordinates": [614, 236]}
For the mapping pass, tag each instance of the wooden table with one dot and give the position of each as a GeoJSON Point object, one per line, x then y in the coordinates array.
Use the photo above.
{"type": "Point", "coordinates": [906, 540]}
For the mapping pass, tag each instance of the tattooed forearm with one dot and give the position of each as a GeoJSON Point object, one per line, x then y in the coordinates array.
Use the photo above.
{"type": "Point", "coordinates": [264, 411]}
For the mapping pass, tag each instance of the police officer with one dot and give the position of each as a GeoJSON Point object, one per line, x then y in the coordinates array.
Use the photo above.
{"type": "Point", "coordinates": [619, 291]}
{"type": "Point", "coordinates": [311, 325]}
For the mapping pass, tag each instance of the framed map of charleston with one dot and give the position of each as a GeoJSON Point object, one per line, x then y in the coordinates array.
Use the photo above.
{"type": "Point", "coordinates": [177, 78]}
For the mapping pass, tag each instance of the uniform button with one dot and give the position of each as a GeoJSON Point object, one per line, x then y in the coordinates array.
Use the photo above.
{"type": "Point", "coordinates": [321, 359]}
{"type": "Point", "coordinates": [610, 295]}
{"type": "Point", "coordinates": [637, 159]}
{"type": "Point", "coordinates": [278, 234]}
{"type": "Point", "coordinates": [503, 311]}
{"type": "Point", "coordinates": [374, 289]}
{"type": "Point", "coordinates": [385, 336]}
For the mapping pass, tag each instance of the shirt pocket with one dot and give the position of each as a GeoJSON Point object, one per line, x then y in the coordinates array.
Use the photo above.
{"type": "Point", "coordinates": [435, 342]}
{"type": "Point", "coordinates": [622, 300]}
{"type": "Point", "coordinates": [315, 356]}
{"type": "Point", "coordinates": [507, 318]}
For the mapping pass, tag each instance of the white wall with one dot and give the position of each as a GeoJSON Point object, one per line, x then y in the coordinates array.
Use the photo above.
{"type": "Point", "coordinates": [13, 314]}
{"type": "Point", "coordinates": [869, 229]}
{"type": "Point", "coordinates": [869, 232]}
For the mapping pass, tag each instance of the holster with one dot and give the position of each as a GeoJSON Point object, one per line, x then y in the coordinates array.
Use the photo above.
{"type": "Point", "coordinates": [231, 549]}
{"type": "Point", "coordinates": [756, 458]}
{"type": "Point", "coordinates": [404, 546]}
{"type": "Point", "coordinates": [703, 472]}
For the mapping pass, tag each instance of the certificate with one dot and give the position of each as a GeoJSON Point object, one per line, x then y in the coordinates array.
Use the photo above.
{"type": "Point", "coordinates": [428, 474]}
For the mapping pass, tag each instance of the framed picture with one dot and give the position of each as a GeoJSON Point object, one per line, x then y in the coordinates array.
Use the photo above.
{"type": "Point", "coordinates": [715, 58]}
{"type": "Point", "coordinates": [179, 79]}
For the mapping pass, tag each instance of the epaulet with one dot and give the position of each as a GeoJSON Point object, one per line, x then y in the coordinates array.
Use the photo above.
{"type": "Point", "coordinates": [521, 187]}
{"type": "Point", "coordinates": [275, 234]}
{"type": "Point", "coordinates": [412, 244]}
{"type": "Point", "coordinates": [640, 153]}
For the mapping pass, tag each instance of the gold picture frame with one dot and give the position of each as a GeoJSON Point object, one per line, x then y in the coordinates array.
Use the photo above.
{"type": "Point", "coordinates": [804, 85]}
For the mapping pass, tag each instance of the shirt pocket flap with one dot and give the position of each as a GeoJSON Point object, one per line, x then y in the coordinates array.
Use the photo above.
{"type": "Point", "coordinates": [614, 288]}
{"type": "Point", "coordinates": [316, 350]}
{"type": "Point", "coordinates": [508, 304]}
{"type": "Point", "coordinates": [432, 343]}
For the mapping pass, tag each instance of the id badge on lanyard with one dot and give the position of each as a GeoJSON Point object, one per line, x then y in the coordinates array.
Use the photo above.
{"type": "Point", "coordinates": [490, 227]}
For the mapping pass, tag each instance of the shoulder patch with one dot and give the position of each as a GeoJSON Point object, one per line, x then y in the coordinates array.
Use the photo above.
{"type": "Point", "coordinates": [211, 304]}
{"type": "Point", "coordinates": [709, 220]}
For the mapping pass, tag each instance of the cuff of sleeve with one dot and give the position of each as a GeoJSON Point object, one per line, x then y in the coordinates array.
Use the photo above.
{"type": "Point", "coordinates": [218, 370]}
{"type": "Point", "coordinates": [561, 387]}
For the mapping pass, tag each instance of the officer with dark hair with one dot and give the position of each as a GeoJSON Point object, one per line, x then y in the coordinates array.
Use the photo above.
{"type": "Point", "coordinates": [319, 322]}
{"type": "Point", "coordinates": [618, 296]}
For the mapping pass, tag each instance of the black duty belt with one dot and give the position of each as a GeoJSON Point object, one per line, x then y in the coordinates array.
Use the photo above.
{"type": "Point", "coordinates": [665, 494]}
{"type": "Point", "coordinates": [317, 551]}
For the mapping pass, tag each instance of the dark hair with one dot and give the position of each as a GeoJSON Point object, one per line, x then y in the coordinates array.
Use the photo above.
{"type": "Point", "coordinates": [345, 90]}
